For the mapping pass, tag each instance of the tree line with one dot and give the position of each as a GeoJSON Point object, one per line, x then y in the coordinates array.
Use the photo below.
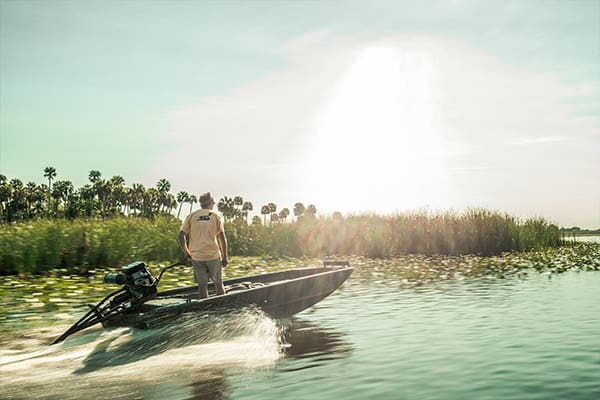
{"type": "Point", "coordinates": [108, 198]}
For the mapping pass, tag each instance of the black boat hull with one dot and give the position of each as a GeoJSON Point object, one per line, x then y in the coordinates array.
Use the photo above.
{"type": "Point", "coordinates": [279, 294]}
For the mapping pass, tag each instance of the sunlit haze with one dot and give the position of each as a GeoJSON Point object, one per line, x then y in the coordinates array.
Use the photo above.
{"type": "Point", "coordinates": [351, 106]}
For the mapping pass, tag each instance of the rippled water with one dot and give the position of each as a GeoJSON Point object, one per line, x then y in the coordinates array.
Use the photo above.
{"type": "Point", "coordinates": [528, 337]}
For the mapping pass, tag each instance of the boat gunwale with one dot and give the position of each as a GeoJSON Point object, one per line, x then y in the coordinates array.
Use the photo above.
{"type": "Point", "coordinates": [188, 289]}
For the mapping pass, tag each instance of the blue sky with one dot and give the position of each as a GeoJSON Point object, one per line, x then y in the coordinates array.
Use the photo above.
{"type": "Point", "coordinates": [354, 106]}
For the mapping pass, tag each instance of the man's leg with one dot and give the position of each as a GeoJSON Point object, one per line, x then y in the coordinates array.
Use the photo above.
{"type": "Point", "coordinates": [215, 270]}
{"type": "Point", "coordinates": [201, 277]}
{"type": "Point", "coordinates": [203, 290]}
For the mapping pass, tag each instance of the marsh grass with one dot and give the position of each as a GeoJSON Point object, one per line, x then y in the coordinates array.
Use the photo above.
{"type": "Point", "coordinates": [80, 245]}
{"type": "Point", "coordinates": [479, 232]}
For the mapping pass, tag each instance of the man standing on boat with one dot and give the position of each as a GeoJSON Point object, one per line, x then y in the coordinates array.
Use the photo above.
{"type": "Point", "coordinates": [207, 246]}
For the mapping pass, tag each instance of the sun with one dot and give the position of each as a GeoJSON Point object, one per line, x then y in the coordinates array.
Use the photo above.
{"type": "Point", "coordinates": [376, 146]}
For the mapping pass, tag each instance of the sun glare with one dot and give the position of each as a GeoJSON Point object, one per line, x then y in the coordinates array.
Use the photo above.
{"type": "Point", "coordinates": [376, 145]}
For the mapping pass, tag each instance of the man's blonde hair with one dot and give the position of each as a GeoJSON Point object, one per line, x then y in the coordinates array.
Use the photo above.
{"type": "Point", "coordinates": [206, 200]}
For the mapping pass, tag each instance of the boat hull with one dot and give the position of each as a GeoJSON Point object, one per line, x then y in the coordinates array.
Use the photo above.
{"type": "Point", "coordinates": [279, 294]}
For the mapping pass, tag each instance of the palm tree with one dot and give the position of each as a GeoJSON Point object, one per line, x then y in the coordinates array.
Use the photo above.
{"type": "Point", "coordinates": [163, 186]}
{"type": "Point", "coordinates": [116, 194]}
{"type": "Point", "coordinates": [16, 203]}
{"type": "Point", "coordinates": [311, 211]}
{"type": "Point", "coordinates": [299, 210]}
{"type": "Point", "coordinates": [238, 201]}
{"type": "Point", "coordinates": [226, 207]}
{"type": "Point", "coordinates": [4, 196]}
{"type": "Point", "coordinates": [30, 197]}
{"type": "Point", "coordinates": [283, 214]}
{"type": "Point", "coordinates": [50, 173]}
{"type": "Point", "coordinates": [246, 207]}
{"type": "Point", "coordinates": [136, 199]}
{"type": "Point", "coordinates": [94, 176]}
{"type": "Point", "coordinates": [182, 197]}
{"type": "Point", "coordinates": [192, 199]}
{"type": "Point", "coordinates": [170, 203]}
{"type": "Point", "coordinates": [272, 207]}
{"type": "Point", "coordinates": [265, 210]}
{"type": "Point", "coordinates": [150, 203]}
{"type": "Point", "coordinates": [87, 195]}
{"type": "Point", "coordinates": [256, 220]}
{"type": "Point", "coordinates": [62, 192]}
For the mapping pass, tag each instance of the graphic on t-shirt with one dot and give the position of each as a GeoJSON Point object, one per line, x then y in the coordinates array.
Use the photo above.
{"type": "Point", "coordinates": [204, 217]}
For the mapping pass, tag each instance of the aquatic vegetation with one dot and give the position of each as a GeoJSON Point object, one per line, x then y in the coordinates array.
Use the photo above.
{"type": "Point", "coordinates": [27, 299]}
{"type": "Point", "coordinates": [81, 245]}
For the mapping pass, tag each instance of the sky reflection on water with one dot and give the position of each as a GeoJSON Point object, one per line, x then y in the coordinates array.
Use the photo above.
{"type": "Point", "coordinates": [528, 337]}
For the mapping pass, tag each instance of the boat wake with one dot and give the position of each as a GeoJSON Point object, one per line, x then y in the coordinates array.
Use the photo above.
{"type": "Point", "coordinates": [186, 359]}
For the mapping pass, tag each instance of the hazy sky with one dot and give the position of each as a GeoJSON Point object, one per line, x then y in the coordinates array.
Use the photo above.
{"type": "Point", "coordinates": [353, 106]}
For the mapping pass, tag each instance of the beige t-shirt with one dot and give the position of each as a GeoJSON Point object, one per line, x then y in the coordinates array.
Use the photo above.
{"type": "Point", "coordinates": [203, 226]}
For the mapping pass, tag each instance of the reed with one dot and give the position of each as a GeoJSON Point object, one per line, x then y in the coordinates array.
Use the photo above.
{"type": "Point", "coordinates": [475, 231]}
{"type": "Point", "coordinates": [80, 245]}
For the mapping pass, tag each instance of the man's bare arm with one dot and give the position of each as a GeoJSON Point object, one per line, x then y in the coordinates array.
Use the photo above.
{"type": "Point", "coordinates": [183, 243]}
{"type": "Point", "coordinates": [223, 244]}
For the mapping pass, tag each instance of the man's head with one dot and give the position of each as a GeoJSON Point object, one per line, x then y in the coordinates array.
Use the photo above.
{"type": "Point", "coordinates": [206, 200]}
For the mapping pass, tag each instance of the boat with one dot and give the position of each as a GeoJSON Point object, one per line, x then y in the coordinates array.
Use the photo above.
{"type": "Point", "coordinates": [139, 304]}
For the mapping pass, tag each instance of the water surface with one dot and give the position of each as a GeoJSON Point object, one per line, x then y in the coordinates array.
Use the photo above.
{"type": "Point", "coordinates": [529, 337]}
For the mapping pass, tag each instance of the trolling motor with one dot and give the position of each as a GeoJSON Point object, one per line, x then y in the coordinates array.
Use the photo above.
{"type": "Point", "coordinates": [138, 286]}
{"type": "Point", "coordinates": [138, 282]}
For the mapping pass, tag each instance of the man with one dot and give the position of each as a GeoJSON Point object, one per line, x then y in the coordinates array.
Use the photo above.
{"type": "Point", "coordinates": [207, 245]}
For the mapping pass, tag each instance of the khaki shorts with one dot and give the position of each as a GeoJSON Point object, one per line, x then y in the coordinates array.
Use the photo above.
{"type": "Point", "coordinates": [205, 269]}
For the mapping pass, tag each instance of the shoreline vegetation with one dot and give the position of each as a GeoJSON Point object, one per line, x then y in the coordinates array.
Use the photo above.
{"type": "Point", "coordinates": [58, 229]}
{"type": "Point", "coordinates": [80, 245]}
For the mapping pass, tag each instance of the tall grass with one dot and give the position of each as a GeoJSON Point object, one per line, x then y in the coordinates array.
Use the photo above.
{"type": "Point", "coordinates": [476, 231]}
{"type": "Point", "coordinates": [79, 245]}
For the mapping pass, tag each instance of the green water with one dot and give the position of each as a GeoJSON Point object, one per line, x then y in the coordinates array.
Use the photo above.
{"type": "Point", "coordinates": [533, 336]}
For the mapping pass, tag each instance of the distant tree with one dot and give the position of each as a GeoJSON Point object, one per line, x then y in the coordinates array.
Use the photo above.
{"type": "Point", "coordinates": [238, 201]}
{"type": "Point", "coordinates": [246, 208]}
{"type": "Point", "coordinates": [272, 207]}
{"type": "Point", "coordinates": [4, 197]}
{"type": "Point", "coordinates": [17, 203]}
{"type": "Point", "coordinates": [299, 210]}
{"type": "Point", "coordinates": [151, 203]}
{"type": "Point", "coordinates": [192, 199]}
{"type": "Point", "coordinates": [136, 198]}
{"type": "Point", "coordinates": [163, 186]}
{"type": "Point", "coordinates": [30, 192]}
{"type": "Point", "coordinates": [182, 197]}
{"type": "Point", "coordinates": [94, 176]}
{"type": "Point", "coordinates": [226, 207]}
{"type": "Point", "coordinates": [283, 214]}
{"type": "Point", "coordinates": [50, 173]}
{"type": "Point", "coordinates": [337, 215]}
{"type": "Point", "coordinates": [116, 196]}
{"type": "Point", "coordinates": [87, 196]}
{"type": "Point", "coordinates": [265, 210]}
{"type": "Point", "coordinates": [311, 211]}
{"type": "Point", "coordinates": [62, 194]}
{"type": "Point", "coordinates": [256, 220]}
